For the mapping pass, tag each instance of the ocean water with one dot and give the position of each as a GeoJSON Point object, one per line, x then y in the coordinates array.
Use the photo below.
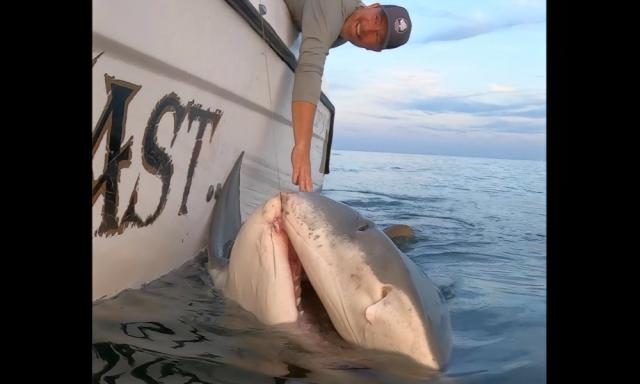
{"type": "Point", "coordinates": [480, 229]}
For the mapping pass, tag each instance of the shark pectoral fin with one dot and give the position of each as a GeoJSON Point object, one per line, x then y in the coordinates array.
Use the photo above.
{"type": "Point", "coordinates": [394, 311]}
{"type": "Point", "coordinates": [378, 311]}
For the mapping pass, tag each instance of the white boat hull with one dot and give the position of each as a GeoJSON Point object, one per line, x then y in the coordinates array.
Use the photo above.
{"type": "Point", "coordinates": [180, 89]}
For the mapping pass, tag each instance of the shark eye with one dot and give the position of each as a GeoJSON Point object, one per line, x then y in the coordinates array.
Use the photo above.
{"type": "Point", "coordinates": [363, 227]}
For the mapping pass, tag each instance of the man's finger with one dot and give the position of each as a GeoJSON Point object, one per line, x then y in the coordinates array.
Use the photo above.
{"type": "Point", "coordinates": [308, 186]}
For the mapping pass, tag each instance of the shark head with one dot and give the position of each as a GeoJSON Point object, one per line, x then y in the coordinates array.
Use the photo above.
{"type": "Point", "coordinates": [373, 294]}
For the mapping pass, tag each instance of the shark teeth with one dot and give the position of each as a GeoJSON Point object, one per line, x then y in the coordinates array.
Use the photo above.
{"type": "Point", "coordinates": [277, 224]}
{"type": "Point", "coordinates": [297, 290]}
{"type": "Point", "coordinates": [297, 272]}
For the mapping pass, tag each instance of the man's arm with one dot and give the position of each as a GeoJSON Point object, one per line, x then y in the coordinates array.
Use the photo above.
{"type": "Point", "coordinates": [302, 114]}
{"type": "Point", "coordinates": [318, 33]}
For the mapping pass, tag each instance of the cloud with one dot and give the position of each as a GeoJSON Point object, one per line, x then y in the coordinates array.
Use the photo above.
{"type": "Point", "coordinates": [530, 3]}
{"type": "Point", "coordinates": [477, 144]}
{"type": "Point", "coordinates": [520, 107]}
{"type": "Point", "coordinates": [478, 26]}
{"type": "Point", "coordinates": [412, 112]}
{"type": "Point", "coordinates": [500, 88]}
{"type": "Point", "coordinates": [417, 100]}
{"type": "Point", "coordinates": [443, 122]}
{"type": "Point", "coordinates": [439, 13]}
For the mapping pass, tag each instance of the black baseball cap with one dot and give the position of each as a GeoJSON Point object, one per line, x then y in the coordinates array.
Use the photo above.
{"type": "Point", "coordinates": [399, 26]}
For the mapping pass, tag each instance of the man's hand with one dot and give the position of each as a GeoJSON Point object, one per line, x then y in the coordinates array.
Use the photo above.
{"type": "Point", "coordinates": [301, 162]}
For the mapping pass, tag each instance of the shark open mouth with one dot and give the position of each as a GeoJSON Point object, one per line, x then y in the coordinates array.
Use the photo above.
{"type": "Point", "coordinates": [308, 303]}
{"type": "Point", "coordinates": [297, 274]}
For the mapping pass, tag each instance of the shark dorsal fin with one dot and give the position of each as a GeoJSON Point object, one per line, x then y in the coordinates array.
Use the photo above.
{"type": "Point", "coordinates": [226, 220]}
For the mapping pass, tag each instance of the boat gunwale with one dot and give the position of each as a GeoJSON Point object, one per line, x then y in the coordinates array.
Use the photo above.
{"type": "Point", "coordinates": [246, 9]}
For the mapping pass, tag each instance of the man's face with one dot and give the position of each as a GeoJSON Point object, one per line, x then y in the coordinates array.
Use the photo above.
{"type": "Point", "coordinates": [366, 27]}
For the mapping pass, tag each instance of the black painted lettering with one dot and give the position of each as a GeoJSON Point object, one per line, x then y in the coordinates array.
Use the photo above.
{"type": "Point", "coordinates": [204, 118]}
{"type": "Point", "coordinates": [130, 217]}
{"type": "Point", "coordinates": [154, 157]}
{"type": "Point", "coordinates": [118, 156]}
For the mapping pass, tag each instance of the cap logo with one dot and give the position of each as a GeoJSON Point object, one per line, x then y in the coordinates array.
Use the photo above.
{"type": "Point", "coordinates": [400, 25]}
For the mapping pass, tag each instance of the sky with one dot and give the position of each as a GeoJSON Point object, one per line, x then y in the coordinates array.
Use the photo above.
{"type": "Point", "coordinates": [471, 81]}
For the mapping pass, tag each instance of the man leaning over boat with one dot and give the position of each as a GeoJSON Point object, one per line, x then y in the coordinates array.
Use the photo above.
{"type": "Point", "coordinates": [326, 24]}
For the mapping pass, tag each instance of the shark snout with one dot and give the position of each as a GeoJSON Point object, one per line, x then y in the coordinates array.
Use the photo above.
{"type": "Point", "coordinates": [285, 202]}
{"type": "Point", "coordinates": [284, 198]}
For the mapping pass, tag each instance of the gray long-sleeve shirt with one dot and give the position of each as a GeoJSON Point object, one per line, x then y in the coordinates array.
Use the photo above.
{"type": "Point", "coordinates": [320, 22]}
